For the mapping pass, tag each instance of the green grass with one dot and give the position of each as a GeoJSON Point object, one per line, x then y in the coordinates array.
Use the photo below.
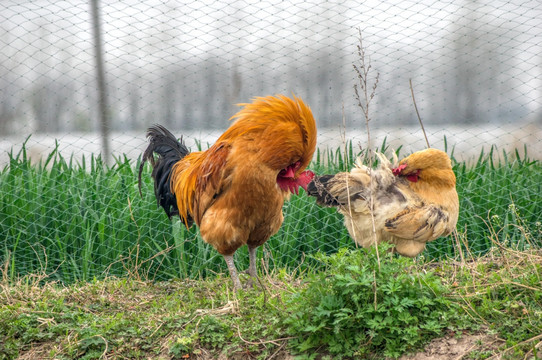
{"type": "Point", "coordinates": [504, 196]}
{"type": "Point", "coordinates": [81, 221]}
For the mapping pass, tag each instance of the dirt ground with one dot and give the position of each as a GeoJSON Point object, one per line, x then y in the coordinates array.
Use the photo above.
{"type": "Point", "coordinates": [454, 348]}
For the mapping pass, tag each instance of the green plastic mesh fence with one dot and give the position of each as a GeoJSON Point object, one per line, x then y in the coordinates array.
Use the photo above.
{"type": "Point", "coordinates": [82, 80]}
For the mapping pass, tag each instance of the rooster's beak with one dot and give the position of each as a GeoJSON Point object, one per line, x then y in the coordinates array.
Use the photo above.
{"type": "Point", "coordinates": [289, 173]}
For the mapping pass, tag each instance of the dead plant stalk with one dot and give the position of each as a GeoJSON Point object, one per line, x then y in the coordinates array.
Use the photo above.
{"type": "Point", "coordinates": [364, 101]}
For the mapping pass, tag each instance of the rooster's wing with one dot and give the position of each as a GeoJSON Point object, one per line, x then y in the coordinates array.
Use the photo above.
{"type": "Point", "coordinates": [213, 178]}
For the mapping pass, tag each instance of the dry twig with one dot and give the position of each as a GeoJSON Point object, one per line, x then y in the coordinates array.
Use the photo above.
{"type": "Point", "coordinates": [418, 113]}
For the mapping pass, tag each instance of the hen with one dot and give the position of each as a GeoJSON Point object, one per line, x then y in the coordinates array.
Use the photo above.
{"type": "Point", "coordinates": [413, 203]}
{"type": "Point", "coordinates": [235, 190]}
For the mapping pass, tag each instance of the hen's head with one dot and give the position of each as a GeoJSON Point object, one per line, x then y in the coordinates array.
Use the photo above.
{"type": "Point", "coordinates": [289, 181]}
{"type": "Point", "coordinates": [427, 165]}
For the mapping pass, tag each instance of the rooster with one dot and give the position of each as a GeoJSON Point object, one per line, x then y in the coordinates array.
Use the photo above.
{"type": "Point", "coordinates": [235, 190]}
{"type": "Point", "coordinates": [413, 202]}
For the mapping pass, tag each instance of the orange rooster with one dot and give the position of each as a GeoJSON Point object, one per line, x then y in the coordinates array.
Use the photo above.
{"type": "Point", "coordinates": [414, 202]}
{"type": "Point", "coordinates": [234, 191]}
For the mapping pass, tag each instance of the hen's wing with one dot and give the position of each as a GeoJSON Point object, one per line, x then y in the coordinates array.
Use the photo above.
{"type": "Point", "coordinates": [419, 222]}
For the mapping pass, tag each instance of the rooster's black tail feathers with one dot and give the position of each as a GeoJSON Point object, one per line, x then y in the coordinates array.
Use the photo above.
{"type": "Point", "coordinates": [169, 150]}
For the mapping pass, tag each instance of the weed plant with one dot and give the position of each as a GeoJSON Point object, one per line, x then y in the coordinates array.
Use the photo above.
{"type": "Point", "coordinates": [361, 305]}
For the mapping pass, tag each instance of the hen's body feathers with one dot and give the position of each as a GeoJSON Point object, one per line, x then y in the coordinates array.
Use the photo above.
{"type": "Point", "coordinates": [235, 190]}
{"type": "Point", "coordinates": [413, 203]}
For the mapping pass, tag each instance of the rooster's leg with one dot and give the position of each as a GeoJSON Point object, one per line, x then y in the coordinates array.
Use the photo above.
{"type": "Point", "coordinates": [251, 266]}
{"type": "Point", "coordinates": [252, 262]}
{"type": "Point", "coordinates": [233, 272]}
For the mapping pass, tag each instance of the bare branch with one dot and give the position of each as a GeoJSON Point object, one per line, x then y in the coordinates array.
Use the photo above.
{"type": "Point", "coordinates": [418, 113]}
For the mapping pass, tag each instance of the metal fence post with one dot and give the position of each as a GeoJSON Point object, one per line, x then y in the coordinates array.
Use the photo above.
{"type": "Point", "coordinates": [103, 104]}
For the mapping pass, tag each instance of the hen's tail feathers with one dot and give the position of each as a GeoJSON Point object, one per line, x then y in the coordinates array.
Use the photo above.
{"type": "Point", "coordinates": [318, 188]}
{"type": "Point", "coordinates": [170, 151]}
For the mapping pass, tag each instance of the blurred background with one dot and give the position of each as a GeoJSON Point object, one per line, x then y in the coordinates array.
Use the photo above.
{"type": "Point", "coordinates": [475, 66]}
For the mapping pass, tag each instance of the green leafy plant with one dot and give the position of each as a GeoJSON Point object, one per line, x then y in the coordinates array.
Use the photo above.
{"type": "Point", "coordinates": [213, 332]}
{"type": "Point", "coordinates": [181, 346]}
{"type": "Point", "coordinates": [361, 305]}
